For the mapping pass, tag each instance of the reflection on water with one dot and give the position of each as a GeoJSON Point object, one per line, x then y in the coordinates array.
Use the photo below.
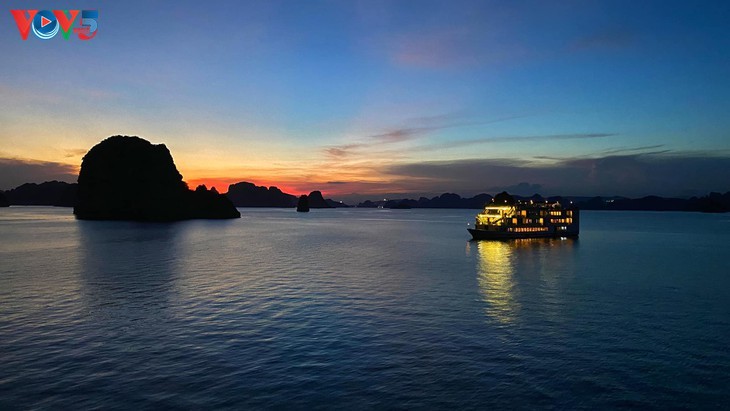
{"type": "Point", "coordinates": [500, 265]}
{"type": "Point", "coordinates": [495, 273]}
{"type": "Point", "coordinates": [127, 272]}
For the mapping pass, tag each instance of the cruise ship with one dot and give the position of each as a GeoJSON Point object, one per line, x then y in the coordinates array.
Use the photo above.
{"type": "Point", "coordinates": [506, 218]}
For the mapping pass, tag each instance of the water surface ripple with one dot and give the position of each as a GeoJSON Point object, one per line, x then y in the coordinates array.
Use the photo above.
{"type": "Point", "coordinates": [362, 309]}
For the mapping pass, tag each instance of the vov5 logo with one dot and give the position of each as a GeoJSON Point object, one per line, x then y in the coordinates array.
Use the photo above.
{"type": "Point", "coordinates": [46, 23]}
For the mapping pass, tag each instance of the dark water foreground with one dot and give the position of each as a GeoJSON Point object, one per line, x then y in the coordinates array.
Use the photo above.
{"type": "Point", "coordinates": [358, 309]}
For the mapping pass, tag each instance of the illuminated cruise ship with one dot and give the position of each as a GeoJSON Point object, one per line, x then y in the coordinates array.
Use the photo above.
{"type": "Point", "coordinates": [505, 218]}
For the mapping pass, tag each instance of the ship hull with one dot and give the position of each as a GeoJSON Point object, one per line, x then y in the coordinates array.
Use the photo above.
{"type": "Point", "coordinates": [505, 235]}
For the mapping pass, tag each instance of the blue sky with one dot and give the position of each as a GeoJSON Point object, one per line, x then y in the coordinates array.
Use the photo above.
{"type": "Point", "coordinates": [370, 98]}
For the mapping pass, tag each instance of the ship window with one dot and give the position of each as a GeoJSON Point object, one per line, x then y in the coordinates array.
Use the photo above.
{"type": "Point", "coordinates": [514, 221]}
{"type": "Point", "coordinates": [529, 229]}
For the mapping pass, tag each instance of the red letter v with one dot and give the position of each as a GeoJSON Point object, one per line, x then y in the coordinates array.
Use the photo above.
{"type": "Point", "coordinates": [64, 21]}
{"type": "Point", "coordinates": [22, 22]}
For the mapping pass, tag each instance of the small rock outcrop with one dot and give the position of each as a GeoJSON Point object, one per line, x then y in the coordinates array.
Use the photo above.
{"type": "Point", "coordinates": [129, 178]}
{"type": "Point", "coordinates": [303, 204]}
{"type": "Point", "coordinates": [316, 200]}
{"type": "Point", "coordinates": [3, 201]}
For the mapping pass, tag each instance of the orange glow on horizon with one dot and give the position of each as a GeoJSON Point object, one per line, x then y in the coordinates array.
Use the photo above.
{"type": "Point", "coordinates": [292, 180]}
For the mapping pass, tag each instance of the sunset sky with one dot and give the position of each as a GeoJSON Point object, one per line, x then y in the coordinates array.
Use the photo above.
{"type": "Point", "coordinates": [365, 99]}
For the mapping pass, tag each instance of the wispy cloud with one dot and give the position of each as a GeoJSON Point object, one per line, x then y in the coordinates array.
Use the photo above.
{"type": "Point", "coordinates": [644, 150]}
{"type": "Point", "coordinates": [74, 152]}
{"type": "Point", "coordinates": [653, 149]}
{"type": "Point", "coordinates": [401, 134]}
{"type": "Point", "coordinates": [414, 129]}
{"type": "Point", "coordinates": [342, 151]}
{"type": "Point", "coordinates": [512, 139]}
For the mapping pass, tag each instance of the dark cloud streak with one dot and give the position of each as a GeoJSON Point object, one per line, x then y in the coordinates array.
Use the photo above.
{"type": "Point", "coordinates": [14, 172]}
{"type": "Point", "coordinates": [514, 139]}
{"type": "Point", "coordinates": [629, 175]}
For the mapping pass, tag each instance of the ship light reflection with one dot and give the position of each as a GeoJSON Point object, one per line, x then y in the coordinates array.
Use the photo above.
{"type": "Point", "coordinates": [495, 271]}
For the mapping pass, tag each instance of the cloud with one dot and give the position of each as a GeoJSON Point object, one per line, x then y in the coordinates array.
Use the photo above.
{"type": "Point", "coordinates": [513, 139]}
{"type": "Point", "coordinates": [667, 174]}
{"type": "Point", "coordinates": [76, 152]}
{"type": "Point", "coordinates": [416, 128]}
{"type": "Point", "coordinates": [402, 134]}
{"type": "Point", "coordinates": [645, 150]}
{"type": "Point", "coordinates": [349, 150]}
{"type": "Point", "coordinates": [419, 126]}
{"type": "Point", "coordinates": [634, 150]}
{"type": "Point", "coordinates": [14, 172]}
{"type": "Point", "coordinates": [340, 151]}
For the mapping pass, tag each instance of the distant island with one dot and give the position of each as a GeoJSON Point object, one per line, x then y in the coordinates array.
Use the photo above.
{"type": "Point", "coordinates": [245, 194]}
{"type": "Point", "coordinates": [711, 203]}
{"type": "Point", "coordinates": [129, 178]}
{"type": "Point", "coordinates": [53, 193]}
{"type": "Point", "coordinates": [446, 200]}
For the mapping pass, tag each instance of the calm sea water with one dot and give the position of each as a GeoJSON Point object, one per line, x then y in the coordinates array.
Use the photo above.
{"type": "Point", "coordinates": [360, 309]}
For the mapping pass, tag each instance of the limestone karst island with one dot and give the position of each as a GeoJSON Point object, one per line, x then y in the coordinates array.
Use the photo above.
{"type": "Point", "coordinates": [129, 178]}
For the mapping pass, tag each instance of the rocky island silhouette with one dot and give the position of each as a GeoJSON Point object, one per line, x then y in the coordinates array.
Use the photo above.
{"type": "Point", "coordinates": [316, 200]}
{"type": "Point", "coordinates": [129, 178]}
{"type": "Point", "coordinates": [303, 204]}
{"type": "Point", "coordinates": [245, 194]}
{"type": "Point", "coordinates": [55, 193]}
